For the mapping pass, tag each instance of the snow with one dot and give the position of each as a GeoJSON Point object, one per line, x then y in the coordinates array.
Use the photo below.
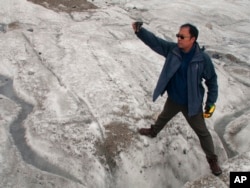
{"type": "Point", "coordinates": [80, 85]}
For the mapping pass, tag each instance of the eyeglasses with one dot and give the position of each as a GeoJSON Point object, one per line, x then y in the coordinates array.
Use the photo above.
{"type": "Point", "coordinates": [181, 36]}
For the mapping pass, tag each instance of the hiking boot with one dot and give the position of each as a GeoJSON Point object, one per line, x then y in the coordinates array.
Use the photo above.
{"type": "Point", "coordinates": [147, 132]}
{"type": "Point", "coordinates": [215, 168]}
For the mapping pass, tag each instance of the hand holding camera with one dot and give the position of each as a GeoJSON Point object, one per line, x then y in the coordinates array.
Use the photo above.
{"type": "Point", "coordinates": [137, 26]}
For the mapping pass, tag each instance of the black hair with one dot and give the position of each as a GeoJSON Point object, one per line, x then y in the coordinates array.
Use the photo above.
{"type": "Point", "coordinates": [194, 32]}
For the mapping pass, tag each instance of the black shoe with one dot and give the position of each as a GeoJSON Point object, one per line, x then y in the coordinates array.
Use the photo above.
{"type": "Point", "coordinates": [147, 132]}
{"type": "Point", "coordinates": [215, 168]}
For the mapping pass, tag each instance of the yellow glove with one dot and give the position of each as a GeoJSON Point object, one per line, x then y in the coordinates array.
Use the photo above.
{"type": "Point", "coordinates": [209, 110]}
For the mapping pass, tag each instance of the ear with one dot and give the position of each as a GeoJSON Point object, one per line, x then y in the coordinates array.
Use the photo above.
{"type": "Point", "coordinates": [193, 39]}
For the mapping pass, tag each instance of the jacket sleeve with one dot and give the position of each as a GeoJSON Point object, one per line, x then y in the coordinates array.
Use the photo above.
{"type": "Point", "coordinates": [210, 77]}
{"type": "Point", "coordinates": [157, 44]}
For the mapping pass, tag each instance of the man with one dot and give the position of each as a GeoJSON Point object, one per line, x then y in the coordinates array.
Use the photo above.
{"type": "Point", "coordinates": [185, 68]}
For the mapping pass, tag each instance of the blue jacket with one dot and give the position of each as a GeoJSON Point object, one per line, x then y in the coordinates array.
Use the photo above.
{"type": "Point", "coordinates": [200, 68]}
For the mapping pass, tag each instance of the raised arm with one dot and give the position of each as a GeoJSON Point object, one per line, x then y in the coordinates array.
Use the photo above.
{"type": "Point", "coordinates": [157, 44]}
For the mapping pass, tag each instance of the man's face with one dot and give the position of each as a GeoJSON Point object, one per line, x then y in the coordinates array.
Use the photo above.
{"type": "Point", "coordinates": [185, 41]}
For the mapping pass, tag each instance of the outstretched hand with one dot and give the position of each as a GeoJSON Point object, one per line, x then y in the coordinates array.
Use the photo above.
{"type": "Point", "coordinates": [137, 26]}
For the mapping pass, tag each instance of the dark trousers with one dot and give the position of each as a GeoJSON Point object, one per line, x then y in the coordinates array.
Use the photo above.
{"type": "Point", "coordinates": [196, 122]}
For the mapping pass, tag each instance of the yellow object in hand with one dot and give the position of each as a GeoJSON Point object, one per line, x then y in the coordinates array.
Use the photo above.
{"type": "Point", "coordinates": [209, 111]}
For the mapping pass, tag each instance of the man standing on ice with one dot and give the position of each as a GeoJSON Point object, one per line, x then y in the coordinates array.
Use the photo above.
{"type": "Point", "coordinates": [186, 66]}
